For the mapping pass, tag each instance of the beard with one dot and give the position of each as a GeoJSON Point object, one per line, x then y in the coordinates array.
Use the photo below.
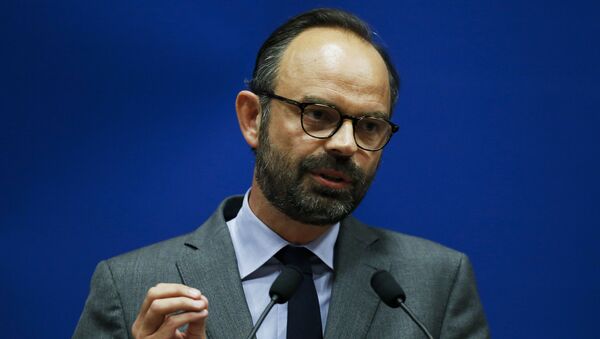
{"type": "Point", "coordinates": [289, 187]}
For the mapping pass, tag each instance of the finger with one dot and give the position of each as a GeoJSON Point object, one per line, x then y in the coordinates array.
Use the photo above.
{"type": "Point", "coordinates": [197, 328]}
{"type": "Point", "coordinates": [161, 308]}
{"type": "Point", "coordinates": [173, 322]}
{"type": "Point", "coordinates": [163, 290]}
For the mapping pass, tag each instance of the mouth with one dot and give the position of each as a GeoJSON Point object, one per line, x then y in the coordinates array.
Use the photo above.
{"type": "Point", "coordinates": [332, 178]}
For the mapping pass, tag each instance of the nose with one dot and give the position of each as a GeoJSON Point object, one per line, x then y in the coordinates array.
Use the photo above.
{"type": "Point", "coordinates": [342, 143]}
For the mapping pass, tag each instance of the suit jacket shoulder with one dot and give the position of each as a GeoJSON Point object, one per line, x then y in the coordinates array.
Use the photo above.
{"type": "Point", "coordinates": [203, 259]}
{"type": "Point", "coordinates": [438, 281]}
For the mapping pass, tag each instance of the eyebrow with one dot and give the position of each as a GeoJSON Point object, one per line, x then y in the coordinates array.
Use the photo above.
{"type": "Point", "coordinates": [317, 100]}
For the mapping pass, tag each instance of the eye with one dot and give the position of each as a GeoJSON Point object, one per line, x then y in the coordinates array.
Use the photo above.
{"type": "Point", "coordinates": [371, 126]}
{"type": "Point", "coordinates": [314, 114]}
{"type": "Point", "coordinates": [322, 115]}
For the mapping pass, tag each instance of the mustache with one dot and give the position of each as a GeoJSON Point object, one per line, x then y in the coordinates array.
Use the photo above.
{"type": "Point", "coordinates": [344, 165]}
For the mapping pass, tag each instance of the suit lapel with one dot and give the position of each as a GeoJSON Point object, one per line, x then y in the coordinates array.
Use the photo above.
{"type": "Point", "coordinates": [353, 302]}
{"type": "Point", "coordinates": [209, 264]}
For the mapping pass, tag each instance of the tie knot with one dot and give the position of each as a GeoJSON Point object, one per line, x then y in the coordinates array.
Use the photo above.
{"type": "Point", "coordinates": [297, 256]}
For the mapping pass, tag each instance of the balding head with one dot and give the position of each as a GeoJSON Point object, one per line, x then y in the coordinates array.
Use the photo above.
{"type": "Point", "coordinates": [268, 61]}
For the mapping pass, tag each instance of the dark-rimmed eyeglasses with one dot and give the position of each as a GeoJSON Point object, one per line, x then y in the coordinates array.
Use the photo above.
{"type": "Point", "coordinates": [322, 121]}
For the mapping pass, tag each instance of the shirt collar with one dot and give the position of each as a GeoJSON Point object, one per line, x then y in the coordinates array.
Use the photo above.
{"type": "Point", "coordinates": [255, 243]}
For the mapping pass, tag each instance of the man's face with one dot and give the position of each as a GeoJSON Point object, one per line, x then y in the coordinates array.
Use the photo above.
{"type": "Point", "coordinates": [321, 181]}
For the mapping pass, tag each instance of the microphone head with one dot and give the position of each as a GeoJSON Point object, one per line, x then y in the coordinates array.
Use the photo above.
{"type": "Point", "coordinates": [386, 287]}
{"type": "Point", "coordinates": [286, 284]}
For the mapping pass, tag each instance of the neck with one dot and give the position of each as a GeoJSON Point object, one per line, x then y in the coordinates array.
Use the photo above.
{"type": "Point", "coordinates": [289, 229]}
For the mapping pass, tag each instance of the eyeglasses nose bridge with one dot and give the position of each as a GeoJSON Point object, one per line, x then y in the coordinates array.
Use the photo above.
{"type": "Point", "coordinates": [343, 120]}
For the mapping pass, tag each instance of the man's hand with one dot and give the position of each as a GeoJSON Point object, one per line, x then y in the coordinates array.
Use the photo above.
{"type": "Point", "coordinates": [168, 307]}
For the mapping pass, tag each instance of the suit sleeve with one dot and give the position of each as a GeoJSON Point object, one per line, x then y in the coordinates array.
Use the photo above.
{"type": "Point", "coordinates": [102, 315]}
{"type": "Point", "coordinates": [464, 317]}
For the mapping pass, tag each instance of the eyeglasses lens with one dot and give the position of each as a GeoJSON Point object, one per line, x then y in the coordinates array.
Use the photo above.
{"type": "Point", "coordinates": [321, 121]}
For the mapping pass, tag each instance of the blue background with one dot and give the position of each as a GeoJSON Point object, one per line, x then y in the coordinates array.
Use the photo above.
{"type": "Point", "coordinates": [118, 130]}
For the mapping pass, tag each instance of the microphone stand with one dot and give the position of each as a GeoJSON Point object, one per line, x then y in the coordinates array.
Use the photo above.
{"type": "Point", "coordinates": [414, 318]}
{"type": "Point", "coordinates": [263, 315]}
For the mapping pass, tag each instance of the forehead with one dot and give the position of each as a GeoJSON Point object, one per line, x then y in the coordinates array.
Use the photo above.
{"type": "Point", "coordinates": [336, 66]}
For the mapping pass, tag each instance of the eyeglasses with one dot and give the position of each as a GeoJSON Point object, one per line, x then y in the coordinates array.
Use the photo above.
{"type": "Point", "coordinates": [322, 121]}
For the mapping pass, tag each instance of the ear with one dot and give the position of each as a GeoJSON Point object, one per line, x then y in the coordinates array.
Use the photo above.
{"type": "Point", "coordinates": [247, 106]}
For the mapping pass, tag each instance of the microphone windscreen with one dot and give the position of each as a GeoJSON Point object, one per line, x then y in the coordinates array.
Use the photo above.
{"type": "Point", "coordinates": [286, 284]}
{"type": "Point", "coordinates": [387, 288]}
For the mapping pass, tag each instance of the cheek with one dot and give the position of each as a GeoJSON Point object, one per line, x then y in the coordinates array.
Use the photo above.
{"type": "Point", "coordinates": [368, 162]}
{"type": "Point", "coordinates": [288, 133]}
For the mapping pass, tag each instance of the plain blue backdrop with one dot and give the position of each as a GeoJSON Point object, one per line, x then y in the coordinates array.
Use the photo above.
{"type": "Point", "coordinates": [118, 130]}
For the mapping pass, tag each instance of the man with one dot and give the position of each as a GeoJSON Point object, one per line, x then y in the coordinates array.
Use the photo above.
{"type": "Point", "coordinates": [317, 116]}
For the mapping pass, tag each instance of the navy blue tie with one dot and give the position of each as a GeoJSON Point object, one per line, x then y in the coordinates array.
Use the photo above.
{"type": "Point", "coordinates": [304, 313]}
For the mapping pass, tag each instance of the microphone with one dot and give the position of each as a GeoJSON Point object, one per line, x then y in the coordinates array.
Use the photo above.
{"type": "Point", "coordinates": [386, 287]}
{"type": "Point", "coordinates": [282, 289]}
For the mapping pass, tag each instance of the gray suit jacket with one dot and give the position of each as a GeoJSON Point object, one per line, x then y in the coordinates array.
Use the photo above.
{"type": "Point", "coordinates": [438, 282]}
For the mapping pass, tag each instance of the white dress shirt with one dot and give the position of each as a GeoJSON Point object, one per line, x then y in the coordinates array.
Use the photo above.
{"type": "Point", "coordinates": [255, 244]}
